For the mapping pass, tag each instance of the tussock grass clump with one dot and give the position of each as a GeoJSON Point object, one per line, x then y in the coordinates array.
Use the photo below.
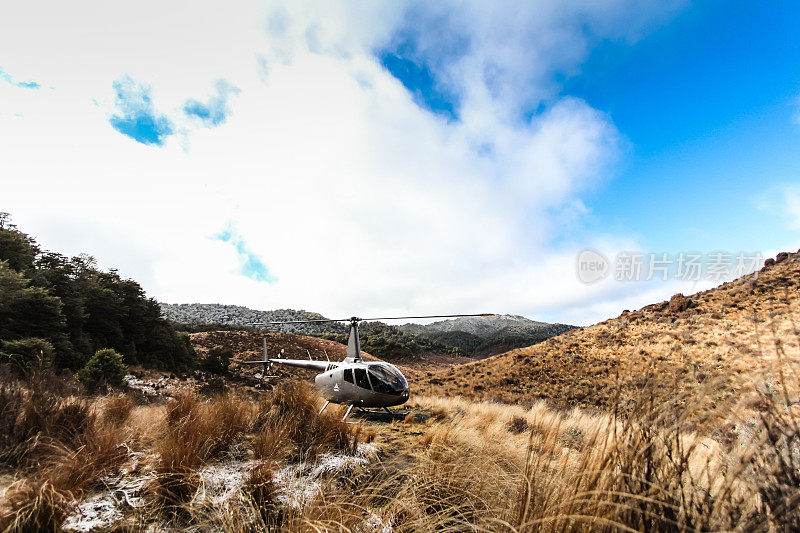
{"type": "Point", "coordinates": [455, 485]}
{"type": "Point", "coordinates": [101, 449]}
{"type": "Point", "coordinates": [292, 409]}
{"type": "Point", "coordinates": [272, 443]}
{"type": "Point", "coordinates": [194, 433]}
{"type": "Point", "coordinates": [33, 420]}
{"type": "Point", "coordinates": [66, 448]}
{"type": "Point", "coordinates": [12, 438]}
{"type": "Point", "coordinates": [33, 506]}
{"type": "Point", "coordinates": [777, 468]}
{"type": "Point", "coordinates": [261, 490]}
{"type": "Point", "coordinates": [117, 409]}
{"type": "Point", "coordinates": [230, 418]}
{"type": "Point", "coordinates": [185, 404]}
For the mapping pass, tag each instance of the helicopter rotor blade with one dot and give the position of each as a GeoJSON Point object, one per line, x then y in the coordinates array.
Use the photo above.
{"type": "Point", "coordinates": [426, 316]}
{"type": "Point", "coordinates": [310, 321]}
{"type": "Point", "coordinates": [356, 319]}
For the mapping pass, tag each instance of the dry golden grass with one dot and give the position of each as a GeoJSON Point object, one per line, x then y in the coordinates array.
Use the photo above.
{"type": "Point", "coordinates": [195, 432]}
{"type": "Point", "coordinates": [117, 409]}
{"type": "Point", "coordinates": [35, 506]}
{"type": "Point", "coordinates": [272, 443]}
{"type": "Point", "coordinates": [647, 471]}
{"type": "Point", "coordinates": [474, 466]}
{"type": "Point", "coordinates": [260, 488]}
{"type": "Point", "coordinates": [292, 410]}
{"type": "Point", "coordinates": [738, 327]}
{"type": "Point", "coordinates": [65, 446]}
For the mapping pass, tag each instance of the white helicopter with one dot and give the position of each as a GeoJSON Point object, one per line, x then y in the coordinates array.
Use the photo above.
{"type": "Point", "coordinates": [353, 381]}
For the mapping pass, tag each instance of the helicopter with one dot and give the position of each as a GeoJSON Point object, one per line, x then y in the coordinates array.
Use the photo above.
{"type": "Point", "coordinates": [353, 381]}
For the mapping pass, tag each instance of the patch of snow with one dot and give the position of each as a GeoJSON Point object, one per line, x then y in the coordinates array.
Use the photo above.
{"type": "Point", "coordinates": [99, 511]}
{"type": "Point", "coordinates": [375, 524]}
{"type": "Point", "coordinates": [298, 483]}
{"type": "Point", "coordinates": [333, 463]}
{"type": "Point", "coordinates": [222, 481]}
{"type": "Point", "coordinates": [294, 489]}
{"type": "Point", "coordinates": [104, 509]}
{"type": "Point", "coordinates": [368, 450]}
{"type": "Point", "coordinates": [148, 387]}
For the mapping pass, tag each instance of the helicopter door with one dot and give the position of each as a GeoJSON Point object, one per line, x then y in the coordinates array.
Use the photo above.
{"type": "Point", "coordinates": [348, 375]}
{"type": "Point", "coordinates": [361, 378]}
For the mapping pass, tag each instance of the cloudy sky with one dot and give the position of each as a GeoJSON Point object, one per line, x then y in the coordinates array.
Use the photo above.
{"type": "Point", "coordinates": [402, 157]}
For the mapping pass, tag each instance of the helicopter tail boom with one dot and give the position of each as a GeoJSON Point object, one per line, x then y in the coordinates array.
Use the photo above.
{"type": "Point", "coordinates": [320, 366]}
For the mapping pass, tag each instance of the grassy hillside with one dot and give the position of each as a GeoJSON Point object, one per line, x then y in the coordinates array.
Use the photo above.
{"type": "Point", "coordinates": [736, 328]}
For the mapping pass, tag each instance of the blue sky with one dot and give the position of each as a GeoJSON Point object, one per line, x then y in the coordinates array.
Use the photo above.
{"type": "Point", "coordinates": [707, 103]}
{"type": "Point", "coordinates": [20, 84]}
{"type": "Point", "coordinates": [250, 264]}
{"type": "Point", "coordinates": [401, 158]}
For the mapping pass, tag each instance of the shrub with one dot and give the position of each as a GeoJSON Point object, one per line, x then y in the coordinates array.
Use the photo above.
{"type": "Point", "coordinates": [106, 367]}
{"type": "Point", "coordinates": [217, 361]}
{"type": "Point", "coordinates": [518, 425]}
{"type": "Point", "coordinates": [23, 354]}
{"type": "Point", "coordinates": [213, 387]}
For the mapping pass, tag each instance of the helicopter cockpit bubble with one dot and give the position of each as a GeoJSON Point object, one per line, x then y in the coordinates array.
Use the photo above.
{"type": "Point", "coordinates": [386, 379]}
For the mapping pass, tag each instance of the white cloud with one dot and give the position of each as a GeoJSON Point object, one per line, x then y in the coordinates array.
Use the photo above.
{"type": "Point", "coordinates": [356, 199]}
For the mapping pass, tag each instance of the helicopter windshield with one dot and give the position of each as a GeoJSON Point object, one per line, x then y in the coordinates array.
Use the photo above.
{"type": "Point", "coordinates": [386, 379]}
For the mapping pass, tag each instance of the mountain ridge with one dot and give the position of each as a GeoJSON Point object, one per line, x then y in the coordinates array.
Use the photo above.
{"type": "Point", "coordinates": [481, 326]}
{"type": "Point", "coordinates": [471, 336]}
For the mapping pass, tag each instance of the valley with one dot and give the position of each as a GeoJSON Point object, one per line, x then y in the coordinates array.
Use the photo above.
{"type": "Point", "coordinates": [679, 416]}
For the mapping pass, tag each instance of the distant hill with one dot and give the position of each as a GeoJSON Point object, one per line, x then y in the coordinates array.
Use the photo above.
{"type": "Point", "coordinates": [467, 336]}
{"type": "Point", "coordinates": [194, 315]}
{"type": "Point", "coordinates": [482, 336]}
{"type": "Point", "coordinates": [489, 326]}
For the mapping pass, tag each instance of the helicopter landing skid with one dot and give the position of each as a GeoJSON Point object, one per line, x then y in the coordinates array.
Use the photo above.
{"type": "Point", "coordinates": [381, 415]}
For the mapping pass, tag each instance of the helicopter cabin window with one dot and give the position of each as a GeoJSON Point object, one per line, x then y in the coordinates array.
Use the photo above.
{"type": "Point", "coordinates": [361, 378]}
{"type": "Point", "coordinates": [386, 379]}
{"type": "Point", "coordinates": [348, 375]}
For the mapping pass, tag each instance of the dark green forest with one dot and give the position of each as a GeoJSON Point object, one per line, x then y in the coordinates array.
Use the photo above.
{"type": "Point", "coordinates": [62, 310]}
